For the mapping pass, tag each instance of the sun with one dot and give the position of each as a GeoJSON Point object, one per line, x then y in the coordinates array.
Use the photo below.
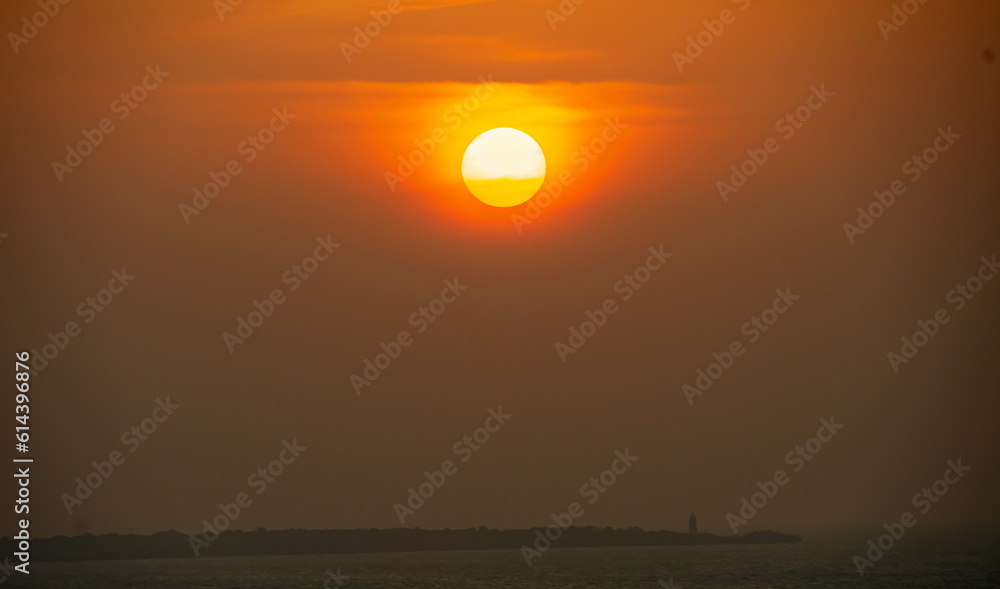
{"type": "Point", "coordinates": [503, 167]}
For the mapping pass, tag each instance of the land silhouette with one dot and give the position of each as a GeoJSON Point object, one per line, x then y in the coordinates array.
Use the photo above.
{"type": "Point", "coordinates": [262, 542]}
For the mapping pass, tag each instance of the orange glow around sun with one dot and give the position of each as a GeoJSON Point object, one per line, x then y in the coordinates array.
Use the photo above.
{"type": "Point", "coordinates": [436, 139]}
{"type": "Point", "coordinates": [408, 144]}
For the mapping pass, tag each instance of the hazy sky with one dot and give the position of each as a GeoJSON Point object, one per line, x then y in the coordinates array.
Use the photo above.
{"type": "Point", "coordinates": [656, 141]}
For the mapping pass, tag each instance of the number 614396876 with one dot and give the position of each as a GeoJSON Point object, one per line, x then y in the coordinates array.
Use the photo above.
{"type": "Point", "coordinates": [22, 375]}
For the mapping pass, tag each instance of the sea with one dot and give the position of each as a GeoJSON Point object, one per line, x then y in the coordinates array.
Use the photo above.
{"type": "Point", "coordinates": [921, 559]}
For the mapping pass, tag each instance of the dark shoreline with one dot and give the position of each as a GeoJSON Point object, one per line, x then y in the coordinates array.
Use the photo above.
{"type": "Point", "coordinates": [172, 544]}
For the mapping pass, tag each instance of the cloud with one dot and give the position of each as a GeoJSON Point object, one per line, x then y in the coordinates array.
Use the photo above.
{"type": "Point", "coordinates": [344, 10]}
{"type": "Point", "coordinates": [468, 49]}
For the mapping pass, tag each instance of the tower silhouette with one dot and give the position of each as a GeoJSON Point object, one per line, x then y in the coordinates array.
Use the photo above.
{"type": "Point", "coordinates": [692, 524]}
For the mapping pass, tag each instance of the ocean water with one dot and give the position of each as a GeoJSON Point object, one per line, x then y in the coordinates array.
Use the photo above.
{"type": "Point", "coordinates": [953, 560]}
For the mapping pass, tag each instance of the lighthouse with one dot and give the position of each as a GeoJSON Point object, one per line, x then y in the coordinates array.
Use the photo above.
{"type": "Point", "coordinates": [692, 525]}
